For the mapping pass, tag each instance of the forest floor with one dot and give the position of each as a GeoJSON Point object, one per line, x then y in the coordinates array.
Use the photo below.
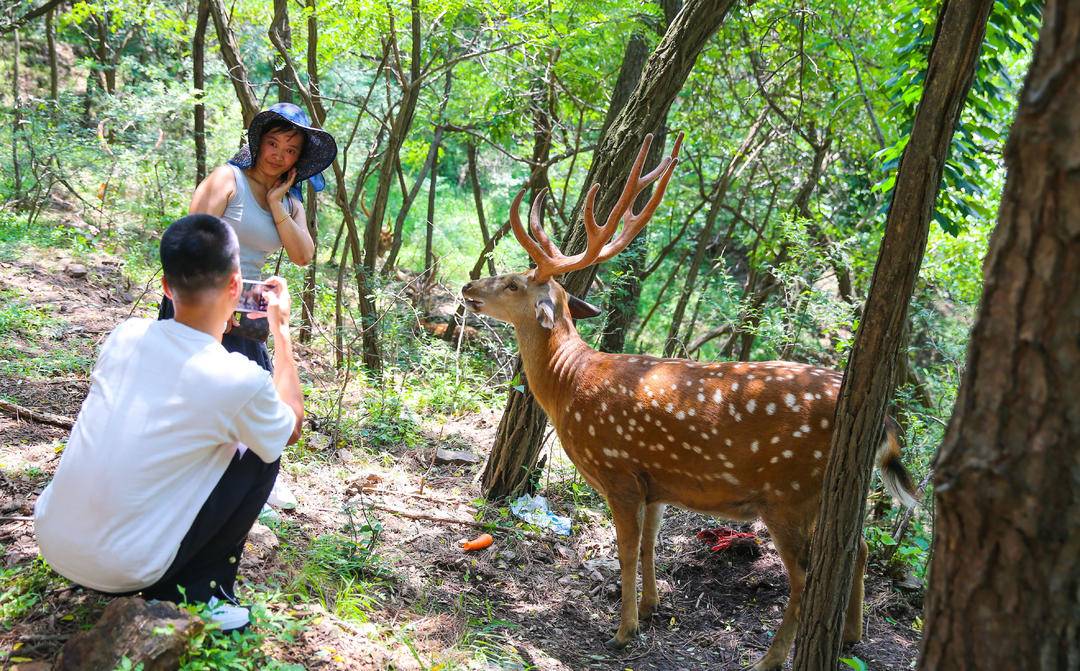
{"type": "Point", "coordinates": [408, 598]}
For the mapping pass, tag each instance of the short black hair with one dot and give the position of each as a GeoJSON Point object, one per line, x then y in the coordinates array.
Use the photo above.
{"type": "Point", "coordinates": [198, 252]}
{"type": "Point", "coordinates": [278, 125]}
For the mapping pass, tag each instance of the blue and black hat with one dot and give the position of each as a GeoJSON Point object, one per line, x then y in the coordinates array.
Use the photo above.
{"type": "Point", "coordinates": [319, 152]}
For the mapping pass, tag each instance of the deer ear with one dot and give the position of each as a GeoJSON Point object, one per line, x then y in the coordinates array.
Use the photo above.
{"type": "Point", "coordinates": [545, 312]}
{"type": "Point", "coordinates": [579, 309]}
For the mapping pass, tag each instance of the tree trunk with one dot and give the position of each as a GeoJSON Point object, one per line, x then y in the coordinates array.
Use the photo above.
{"type": "Point", "coordinates": [399, 129]}
{"type": "Point", "coordinates": [521, 429]}
{"type": "Point", "coordinates": [478, 201]}
{"type": "Point", "coordinates": [307, 298]}
{"type": "Point", "coordinates": [54, 66]}
{"type": "Point", "coordinates": [198, 73]}
{"type": "Point", "coordinates": [16, 117]}
{"type": "Point", "coordinates": [230, 53]}
{"type": "Point", "coordinates": [429, 229]}
{"type": "Point", "coordinates": [622, 303]}
{"type": "Point", "coordinates": [1004, 585]}
{"type": "Point", "coordinates": [863, 394]}
{"type": "Point", "coordinates": [281, 74]}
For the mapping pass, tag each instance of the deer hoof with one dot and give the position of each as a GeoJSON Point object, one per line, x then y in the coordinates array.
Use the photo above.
{"type": "Point", "coordinates": [646, 611]}
{"type": "Point", "coordinates": [766, 664]}
{"type": "Point", "coordinates": [618, 643]}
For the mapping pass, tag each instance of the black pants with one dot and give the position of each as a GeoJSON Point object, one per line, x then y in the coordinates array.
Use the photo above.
{"type": "Point", "coordinates": [209, 554]}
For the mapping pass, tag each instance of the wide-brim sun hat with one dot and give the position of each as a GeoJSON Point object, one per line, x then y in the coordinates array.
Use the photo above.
{"type": "Point", "coordinates": [319, 151]}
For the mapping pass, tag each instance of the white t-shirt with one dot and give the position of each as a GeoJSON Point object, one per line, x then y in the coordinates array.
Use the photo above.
{"type": "Point", "coordinates": [167, 408]}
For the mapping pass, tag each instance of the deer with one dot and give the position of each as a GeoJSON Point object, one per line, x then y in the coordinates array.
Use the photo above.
{"type": "Point", "coordinates": [737, 440]}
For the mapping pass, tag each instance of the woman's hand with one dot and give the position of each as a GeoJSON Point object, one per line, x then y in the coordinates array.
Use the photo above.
{"type": "Point", "coordinates": [277, 193]}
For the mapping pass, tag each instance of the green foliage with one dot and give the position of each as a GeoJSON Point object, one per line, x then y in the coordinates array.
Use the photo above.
{"type": "Point", "coordinates": [24, 587]}
{"type": "Point", "coordinates": [213, 649]}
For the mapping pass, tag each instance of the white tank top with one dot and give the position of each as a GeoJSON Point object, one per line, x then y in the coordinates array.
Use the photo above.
{"type": "Point", "coordinates": [254, 226]}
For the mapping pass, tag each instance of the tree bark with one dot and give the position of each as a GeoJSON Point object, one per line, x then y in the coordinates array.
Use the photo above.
{"type": "Point", "coordinates": [16, 117]}
{"type": "Point", "coordinates": [54, 66]}
{"type": "Point", "coordinates": [281, 74]}
{"type": "Point", "coordinates": [198, 74]}
{"type": "Point", "coordinates": [307, 298]}
{"type": "Point", "coordinates": [1004, 585]}
{"type": "Point", "coordinates": [429, 228]}
{"type": "Point", "coordinates": [521, 429]}
{"type": "Point", "coordinates": [863, 394]}
{"type": "Point", "coordinates": [230, 53]}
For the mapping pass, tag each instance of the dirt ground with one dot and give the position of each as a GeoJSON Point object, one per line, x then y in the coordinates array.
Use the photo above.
{"type": "Point", "coordinates": [718, 610]}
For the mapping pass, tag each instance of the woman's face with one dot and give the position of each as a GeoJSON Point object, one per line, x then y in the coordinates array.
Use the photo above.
{"type": "Point", "coordinates": [279, 150]}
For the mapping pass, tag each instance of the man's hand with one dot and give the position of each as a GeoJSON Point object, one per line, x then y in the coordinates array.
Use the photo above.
{"type": "Point", "coordinates": [278, 304]}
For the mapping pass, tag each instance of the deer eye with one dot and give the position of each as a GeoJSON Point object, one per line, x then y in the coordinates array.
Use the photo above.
{"type": "Point", "coordinates": [512, 286]}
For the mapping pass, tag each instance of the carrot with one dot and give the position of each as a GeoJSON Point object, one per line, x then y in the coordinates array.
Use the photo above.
{"type": "Point", "coordinates": [479, 543]}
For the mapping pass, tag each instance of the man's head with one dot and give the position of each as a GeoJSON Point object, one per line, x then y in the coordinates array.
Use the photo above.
{"type": "Point", "coordinates": [200, 260]}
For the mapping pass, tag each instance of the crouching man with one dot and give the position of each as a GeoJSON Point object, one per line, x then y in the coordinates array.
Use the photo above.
{"type": "Point", "coordinates": [176, 447]}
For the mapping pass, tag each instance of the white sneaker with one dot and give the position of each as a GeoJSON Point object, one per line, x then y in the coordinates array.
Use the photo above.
{"type": "Point", "coordinates": [281, 496]}
{"type": "Point", "coordinates": [227, 615]}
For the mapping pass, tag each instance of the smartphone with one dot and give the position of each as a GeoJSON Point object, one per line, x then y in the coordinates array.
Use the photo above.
{"type": "Point", "coordinates": [252, 297]}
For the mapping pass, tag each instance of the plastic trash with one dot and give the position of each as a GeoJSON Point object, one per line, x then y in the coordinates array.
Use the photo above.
{"type": "Point", "coordinates": [535, 511]}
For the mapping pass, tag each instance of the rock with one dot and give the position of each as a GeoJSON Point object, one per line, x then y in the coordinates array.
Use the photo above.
{"type": "Point", "coordinates": [76, 270]}
{"type": "Point", "coordinates": [130, 628]}
{"type": "Point", "coordinates": [444, 457]}
{"type": "Point", "coordinates": [262, 538]}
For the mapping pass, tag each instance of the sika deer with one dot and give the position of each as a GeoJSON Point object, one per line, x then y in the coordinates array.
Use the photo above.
{"type": "Point", "coordinates": [736, 440]}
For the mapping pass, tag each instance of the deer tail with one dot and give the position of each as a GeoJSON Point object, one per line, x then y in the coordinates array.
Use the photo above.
{"type": "Point", "coordinates": [896, 478]}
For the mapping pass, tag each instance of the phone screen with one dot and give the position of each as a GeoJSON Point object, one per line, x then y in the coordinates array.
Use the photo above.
{"type": "Point", "coordinates": [252, 297]}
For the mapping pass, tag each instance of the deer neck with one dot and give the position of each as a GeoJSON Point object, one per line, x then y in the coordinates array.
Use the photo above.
{"type": "Point", "coordinates": [553, 359]}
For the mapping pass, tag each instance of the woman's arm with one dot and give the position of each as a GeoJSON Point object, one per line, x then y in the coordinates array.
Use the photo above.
{"type": "Point", "coordinates": [213, 194]}
{"type": "Point", "coordinates": [291, 225]}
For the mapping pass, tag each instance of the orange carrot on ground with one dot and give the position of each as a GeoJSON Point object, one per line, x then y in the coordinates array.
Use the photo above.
{"type": "Point", "coordinates": [479, 543]}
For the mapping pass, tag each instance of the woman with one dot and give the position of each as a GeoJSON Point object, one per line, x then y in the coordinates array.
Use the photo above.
{"type": "Point", "coordinates": [258, 193]}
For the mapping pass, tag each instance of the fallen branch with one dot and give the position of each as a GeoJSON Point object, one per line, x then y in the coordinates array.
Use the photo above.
{"type": "Point", "coordinates": [472, 523]}
{"type": "Point", "coordinates": [19, 412]}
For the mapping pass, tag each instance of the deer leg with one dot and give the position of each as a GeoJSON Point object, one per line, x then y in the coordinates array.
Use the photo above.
{"type": "Point", "coordinates": [627, 512]}
{"type": "Point", "coordinates": [654, 515]}
{"type": "Point", "coordinates": [792, 544]}
{"type": "Point", "coordinates": [853, 620]}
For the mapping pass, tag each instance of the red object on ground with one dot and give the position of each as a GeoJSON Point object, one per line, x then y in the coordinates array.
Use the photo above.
{"type": "Point", "coordinates": [479, 543]}
{"type": "Point", "coordinates": [722, 538]}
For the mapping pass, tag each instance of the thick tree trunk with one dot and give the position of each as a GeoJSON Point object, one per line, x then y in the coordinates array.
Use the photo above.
{"type": "Point", "coordinates": [1004, 585]}
{"type": "Point", "coordinates": [521, 429]}
{"type": "Point", "coordinates": [307, 299]}
{"type": "Point", "coordinates": [198, 74]}
{"type": "Point", "coordinates": [864, 393]}
{"type": "Point", "coordinates": [429, 228]}
{"type": "Point", "coordinates": [230, 53]}
{"type": "Point", "coordinates": [622, 303]}
{"type": "Point", "coordinates": [478, 201]}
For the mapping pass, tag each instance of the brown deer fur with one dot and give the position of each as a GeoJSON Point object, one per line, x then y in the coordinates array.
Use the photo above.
{"type": "Point", "coordinates": [739, 440]}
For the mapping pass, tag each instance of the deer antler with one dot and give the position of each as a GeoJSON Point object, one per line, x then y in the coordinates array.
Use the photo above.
{"type": "Point", "coordinates": [550, 261]}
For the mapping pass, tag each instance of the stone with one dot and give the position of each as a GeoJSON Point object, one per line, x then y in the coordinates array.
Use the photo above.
{"type": "Point", "coordinates": [153, 634]}
{"type": "Point", "coordinates": [262, 538]}
{"type": "Point", "coordinates": [76, 270]}
{"type": "Point", "coordinates": [444, 457]}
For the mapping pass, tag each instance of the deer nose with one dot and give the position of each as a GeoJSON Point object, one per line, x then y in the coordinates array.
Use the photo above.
{"type": "Point", "coordinates": [467, 287]}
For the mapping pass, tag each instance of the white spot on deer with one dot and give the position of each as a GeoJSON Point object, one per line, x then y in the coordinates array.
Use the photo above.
{"type": "Point", "coordinates": [656, 464]}
{"type": "Point", "coordinates": [674, 457]}
{"type": "Point", "coordinates": [691, 412]}
{"type": "Point", "coordinates": [824, 423]}
{"type": "Point", "coordinates": [669, 407]}
{"type": "Point", "coordinates": [774, 460]}
{"type": "Point", "coordinates": [795, 485]}
{"type": "Point", "coordinates": [754, 446]}
{"type": "Point", "coordinates": [817, 454]}
{"type": "Point", "coordinates": [774, 440]}
{"type": "Point", "coordinates": [727, 441]}
{"type": "Point", "coordinates": [817, 396]}
{"type": "Point", "coordinates": [611, 418]}
{"type": "Point", "coordinates": [588, 453]}
{"type": "Point", "coordinates": [592, 431]}
{"type": "Point", "coordinates": [707, 457]}
{"type": "Point", "coordinates": [814, 473]}
{"type": "Point", "coordinates": [632, 359]}
{"type": "Point", "coordinates": [751, 405]}
{"type": "Point", "coordinates": [750, 376]}
{"type": "Point", "coordinates": [701, 398]}
{"type": "Point", "coordinates": [770, 408]}
{"type": "Point", "coordinates": [730, 478]}
{"type": "Point", "coordinates": [603, 406]}
{"type": "Point", "coordinates": [618, 429]}
{"type": "Point", "coordinates": [808, 396]}
{"type": "Point", "coordinates": [674, 386]}
{"type": "Point", "coordinates": [768, 378]}
{"type": "Point", "coordinates": [655, 404]}
{"type": "Point", "coordinates": [641, 443]}
{"type": "Point", "coordinates": [717, 397]}
{"type": "Point", "coordinates": [577, 416]}
{"type": "Point", "coordinates": [625, 454]}
{"type": "Point", "coordinates": [738, 417]}
{"type": "Point", "coordinates": [671, 438]}
{"type": "Point", "coordinates": [805, 428]}
{"type": "Point", "coordinates": [788, 454]}
{"type": "Point", "coordinates": [734, 386]}
{"type": "Point", "coordinates": [680, 415]}
{"type": "Point", "coordinates": [648, 392]}
{"type": "Point", "coordinates": [609, 464]}
{"type": "Point", "coordinates": [631, 421]}
{"type": "Point", "coordinates": [731, 409]}
{"type": "Point", "coordinates": [789, 400]}
{"type": "Point", "coordinates": [714, 431]}
{"type": "Point", "coordinates": [728, 464]}
{"type": "Point", "coordinates": [765, 487]}
{"type": "Point", "coordinates": [697, 450]}
{"type": "Point", "coordinates": [797, 434]}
